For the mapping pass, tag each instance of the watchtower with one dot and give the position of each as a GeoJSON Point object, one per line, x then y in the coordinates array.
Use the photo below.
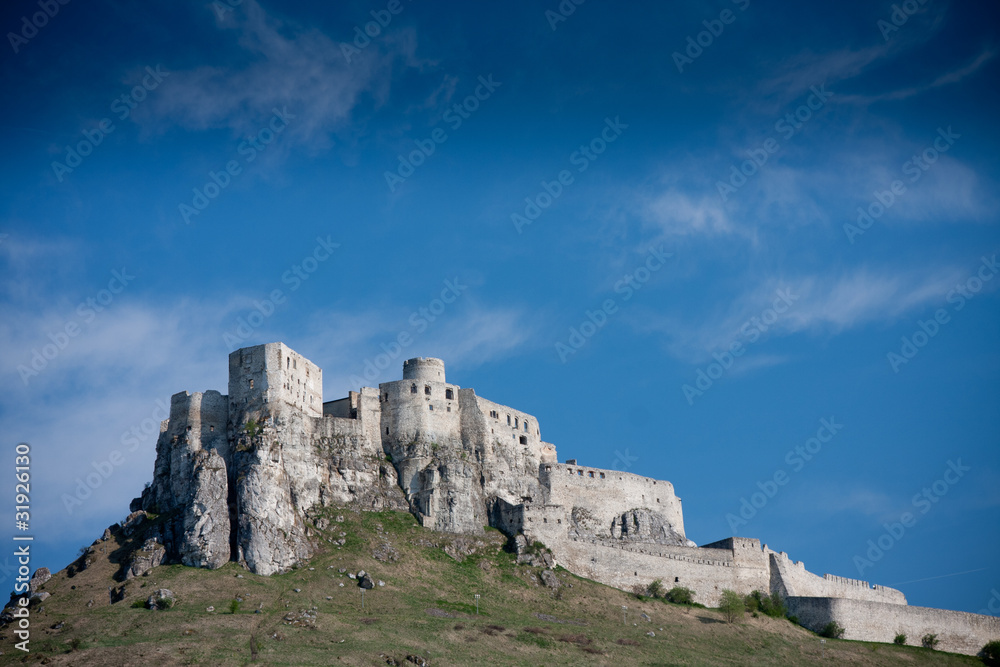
{"type": "Point", "coordinates": [424, 368]}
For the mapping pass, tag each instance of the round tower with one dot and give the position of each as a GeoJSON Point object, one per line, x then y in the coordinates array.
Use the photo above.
{"type": "Point", "coordinates": [424, 368]}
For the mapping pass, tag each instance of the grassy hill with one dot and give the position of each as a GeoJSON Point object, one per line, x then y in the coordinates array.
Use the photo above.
{"type": "Point", "coordinates": [425, 609]}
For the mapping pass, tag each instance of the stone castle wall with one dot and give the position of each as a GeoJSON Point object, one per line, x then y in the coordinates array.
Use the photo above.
{"type": "Point", "coordinates": [705, 571]}
{"type": "Point", "coordinates": [957, 631]}
{"type": "Point", "coordinates": [607, 494]}
{"type": "Point", "coordinates": [793, 580]}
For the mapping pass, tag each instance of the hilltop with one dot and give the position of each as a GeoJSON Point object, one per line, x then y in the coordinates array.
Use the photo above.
{"type": "Point", "coordinates": [312, 614]}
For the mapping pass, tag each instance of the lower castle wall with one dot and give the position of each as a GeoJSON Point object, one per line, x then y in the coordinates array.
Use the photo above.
{"type": "Point", "coordinates": [957, 631]}
{"type": "Point", "coordinates": [793, 580]}
{"type": "Point", "coordinates": [705, 571]}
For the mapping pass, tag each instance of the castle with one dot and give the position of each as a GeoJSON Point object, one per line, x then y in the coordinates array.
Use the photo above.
{"type": "Point", "coordinates": [238, 477]}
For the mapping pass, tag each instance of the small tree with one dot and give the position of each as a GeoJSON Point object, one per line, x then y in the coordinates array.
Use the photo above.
{"type": "Point", "coordinates": [731, 605]}
{"type": "Point", "coordinates": [900, 639]}
{"type": "Point", "coordinates": [656, 588]}
{"type": "Point", "coordinates": [929, 641]}
{"type": "Point", "coordinates": [832, 630]}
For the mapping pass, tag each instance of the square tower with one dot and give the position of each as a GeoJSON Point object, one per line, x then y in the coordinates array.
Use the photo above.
{"type": "Point", "coordinates": [264, 378]}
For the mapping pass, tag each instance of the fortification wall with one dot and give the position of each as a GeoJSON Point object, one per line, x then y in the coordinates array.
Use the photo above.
{"type": "Point", "coordinates": [791, 579]}
{"type": "Point", "coordinates": [622, 565]}
{"type": "Point", "coordinates": [606, 494]}
{"type": "Point", "coordinates": [957, 631]}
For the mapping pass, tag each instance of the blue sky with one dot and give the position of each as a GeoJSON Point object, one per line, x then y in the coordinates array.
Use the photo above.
{"type": "Point", "coordinates": [681, 236]}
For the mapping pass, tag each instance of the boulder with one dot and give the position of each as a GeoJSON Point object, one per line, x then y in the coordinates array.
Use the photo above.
{"type": "Point", "coordinates": [144, 559]}
{"type": "Point", "coordinates": [366, 582]}
{"type": "Point", "coordinates": [550, 579]}
{"type": "Point", "coordinates": [132, 522]}
{"type": "Point", "coordinates": [162, 598]}
{"type": "Point", "coordinates": [40, 576]}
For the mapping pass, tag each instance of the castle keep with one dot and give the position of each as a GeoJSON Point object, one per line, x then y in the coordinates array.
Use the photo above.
{"type": "Point", "coordinates": [239, 475]}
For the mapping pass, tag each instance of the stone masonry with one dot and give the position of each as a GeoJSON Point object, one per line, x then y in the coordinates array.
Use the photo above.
{"type": "Point", "coordinates": [238, 476]}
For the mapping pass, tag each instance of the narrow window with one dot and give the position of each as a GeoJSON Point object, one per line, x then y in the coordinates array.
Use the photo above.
{"type": "Point", "coordinates": [449, 394]}
{"type": "Point", "coordinates": [590, 474]}
{"type": "Point", "coordinates": [676, 579]}
{"type": "Point", "coordinates": [387, 430]}
{"type": "Point", "coordinates": [602, 475]}
{"type": "Point", "coordinates": [449, 408]}
{"type": "Point", "coordinates": [251, 384]}
{"type": "Point", "coordinates": [580, 473]}
{"type": "Point", "coordinates": [431, 407]}
{"type": "Point", "coordinates": [295, 363]}
{"type": "Point", "coordinates": [427, 390]}
{"type": "Point", "coordinates": [508, 420]}
{"type": "Point", "coordinates": [211, 428]}
{"type": "Point", "coordinates": [524, 440]}
{"type": "Point", "coordinates": [288, 362]}
{"type": "Point", "coordinates": [526, 426]}
{"type": "Point", "coordinates": [386, 397]}
{"type": "Point", "coordinates": [413, 388]}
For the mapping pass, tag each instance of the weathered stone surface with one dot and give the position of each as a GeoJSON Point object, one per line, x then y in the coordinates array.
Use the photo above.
{"type": "Point", "coordinates": [132, 522]}
{"type": "Point", "coordinates": [644, 525]}
{"type": "Point", "coordinates": [40, 576]}
{"type": "Point", "coordinates": [205, 519]}
{"type": "Point", "coordinates": [162, 598]}
{"type": "Point", "coordinates": [550, 579]}
{"type": "Point", "coordinates": [144, 559]}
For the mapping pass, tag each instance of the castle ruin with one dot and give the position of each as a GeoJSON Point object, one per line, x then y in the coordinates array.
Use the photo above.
{"type": "Point", "coordinates": [238, 476]}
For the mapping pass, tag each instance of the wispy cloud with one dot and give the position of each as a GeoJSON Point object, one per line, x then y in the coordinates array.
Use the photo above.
{"type": "Point", "coordinates": [822, 305]}
{"type": "Point", "coordinates": [948, 78]}
{"type": "Point", "coordinates": [283, 65]}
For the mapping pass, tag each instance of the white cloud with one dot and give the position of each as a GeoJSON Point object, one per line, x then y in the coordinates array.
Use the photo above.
{"type": "Point", "coordinates": [677, 214]}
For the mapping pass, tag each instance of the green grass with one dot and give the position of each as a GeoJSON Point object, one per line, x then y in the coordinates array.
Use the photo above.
{"type": "Point", "coordinates": [426, 608]}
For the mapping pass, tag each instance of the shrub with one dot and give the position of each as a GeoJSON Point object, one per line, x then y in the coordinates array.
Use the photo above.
{"type": "Point", "coordinates": [731, 605]}
{"type": "Point", "coordinates": [680, 595]}
{"type": "Point", "coordinates": [794, 619]}
{"type": "Point", "coordinates": [929, 641]}
{"type": "Point", "coordinates": [900, 639]}
{"type": "Point", "coordinates": [234, 606]}
{"type": "Point", "coordinates": [769, 605]}
{"type": "Point", "coordinates": [991, 653]}
{"type": "Point", "coordinates": [833, 630]}
{"type": "Point", "coordinates": [656, 588]}
{"type": "Point", "coordinates": [138, 604]}
{"type": "Point", "coordinates": [639, 590]}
